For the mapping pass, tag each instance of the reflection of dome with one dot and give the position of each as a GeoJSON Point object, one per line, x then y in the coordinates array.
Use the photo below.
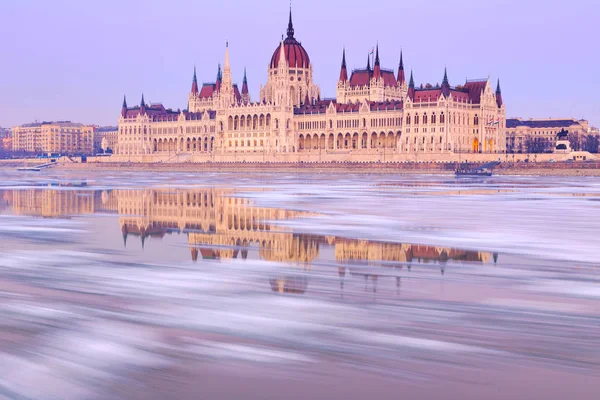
{"type": "Point", "coordinates": [293, 284]}
{"type": "Point", "coordinates": [295, 54]}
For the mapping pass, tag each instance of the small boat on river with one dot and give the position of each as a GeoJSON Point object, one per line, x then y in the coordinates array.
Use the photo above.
{"type": "Point", "coordinates": [476, 170]}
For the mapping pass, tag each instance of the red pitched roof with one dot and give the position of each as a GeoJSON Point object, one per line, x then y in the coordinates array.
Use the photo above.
{"type": "Point", "coordinates": [207, 91]}
{"type": "Point", "coordinates": [422, 95]}
{"type": "Point", "coordinates": [474, 89]}
{"type": "Point", "coordinates": [362, 77]}
{"type": "Point", "coordinates": [388, 78]}
{"type": "Point", "coordinates": [459, 96]}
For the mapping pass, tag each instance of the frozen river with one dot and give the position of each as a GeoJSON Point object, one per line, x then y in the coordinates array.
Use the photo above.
{"type": "Point", "coordinates": [270, 286]}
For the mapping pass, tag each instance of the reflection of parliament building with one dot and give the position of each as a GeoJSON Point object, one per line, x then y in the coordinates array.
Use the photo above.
{"type": "Point", "coordinates": [219, 226]}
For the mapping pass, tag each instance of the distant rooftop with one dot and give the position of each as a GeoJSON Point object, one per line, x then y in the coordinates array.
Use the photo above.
{"type": "Point", "coordinates": [59, 123]}
{"type": "Point", "coordinates": [541, 123]}
{"type": "Point", "coordinates": [106, 129]}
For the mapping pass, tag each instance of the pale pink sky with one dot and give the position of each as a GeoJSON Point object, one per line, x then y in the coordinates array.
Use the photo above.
{"type": "Point", "coordinates": [73, 59]}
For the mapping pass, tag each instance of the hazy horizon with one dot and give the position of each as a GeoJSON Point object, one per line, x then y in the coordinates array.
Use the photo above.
{"type": "Point", "coordinates": [73, 60]}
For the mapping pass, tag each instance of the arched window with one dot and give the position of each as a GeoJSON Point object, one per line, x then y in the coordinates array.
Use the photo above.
{"type": "Point", "coordinates": [433, 118]}
{"type": "Point", "coordinates": [424, 118]}
{"type": "Point", "coordinates": [442, 118]}
{"type": "Point", "coordinates": [416, 119]}
{"type": "Point", "coordinates": [408, 120]}
{"type": "Point", "coordinates": [476, 119]}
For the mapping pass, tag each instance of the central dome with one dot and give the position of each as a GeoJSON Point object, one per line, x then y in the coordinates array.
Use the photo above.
{"type": "Point", "coordinates": [295, 54]}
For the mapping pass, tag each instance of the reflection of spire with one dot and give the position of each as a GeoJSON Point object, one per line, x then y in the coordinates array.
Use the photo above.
{"type": "Point", "coordinates": [495, 255]}
{"type": "Point", "coordinates": [125, 239]}
{"type": "Point", "coordinates": [143, 240]}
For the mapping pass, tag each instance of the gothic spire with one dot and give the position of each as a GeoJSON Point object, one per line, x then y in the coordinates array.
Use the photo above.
{"type": "Point", "coordinates": [245, 84]}
{"type": "Point", "coordinates": [142, 105]}
{"type": "Point", "coordinates": [282, 61]}
{"type": "Point", "coordinates": [290, 29]}
{"type": "Point", "coordinates": [411, 87]}
{"type": "Point", "coordinates": [368, 62]}
{"type": "Point", "coordinates": [377, 67]}
{"type": "Point", "coordinates": [445, 84]}
{"type": "Point", "coordinates": [498, 94]}
{"type": "Point", "coordinates": [219, 79]}
{"type": "Point", "coordinates": [226, 63]}
{"type": "Point", "coordinates": [401, 77]}
{"type": "Point", "coordinates": [124, 107]}
{"type": "Point", "coordinates": [194, 83]}
{"type": "Point", "coordinates": [343, 71]}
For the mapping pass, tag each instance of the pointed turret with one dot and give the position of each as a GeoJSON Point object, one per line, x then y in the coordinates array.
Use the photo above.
{"type": "Point", "coordinates": [368, 62]}
{"type": "Point", "coordinates": [142, 105]}
{"type": "Point", "coordinates": [343, 71]}
{"type": "Point", "coordinates": [290, 29]}
{"type": "Point", "coordinates": [306, 99]}
{"type": "Point", "coordinates": [445, 84]}
{"type": "Point", "coordinates": [124, 107]}
{"type": "Point", "coordinates": [219, 79]}
{"type": "Point", "coordinates": [401, 77]}
{"type": "Point", "coordinates": [226, 79]}
{"type": "Point", "coordinates": [411, 87]}
{"type": "Point", "coordinates": [498, 94]}
{"type": "Point", "coordinates": [194, 83]}
{"type": "Point", "coordinates": [282, 61]}
{"type": "Point", "coordinates": [226, 63]}
{"type": "Point", "coordinates": [245, 84]}
{"type": "Point", "coordinates": [377, 67]}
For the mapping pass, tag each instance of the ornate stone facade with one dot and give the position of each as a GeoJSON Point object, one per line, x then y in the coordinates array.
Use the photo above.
{"type": "Point", "coordinates": [377, 116]}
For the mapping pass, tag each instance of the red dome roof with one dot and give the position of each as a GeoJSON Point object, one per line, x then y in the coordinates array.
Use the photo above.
{"type": "Point", "coordinates": [295, 54]}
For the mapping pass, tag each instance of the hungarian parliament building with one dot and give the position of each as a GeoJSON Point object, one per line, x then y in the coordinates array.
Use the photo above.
{"type": "Point", "coordinates": [377, 115]}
